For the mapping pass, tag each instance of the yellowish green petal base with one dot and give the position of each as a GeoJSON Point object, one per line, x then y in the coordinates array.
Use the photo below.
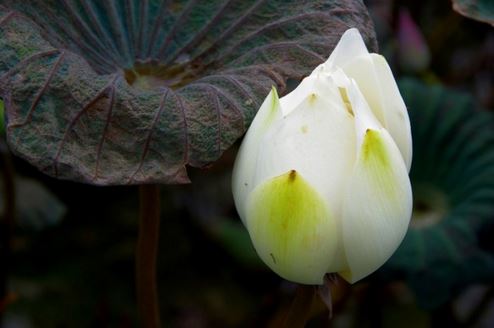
{"type": "Point", "coordinates": [291, 228]}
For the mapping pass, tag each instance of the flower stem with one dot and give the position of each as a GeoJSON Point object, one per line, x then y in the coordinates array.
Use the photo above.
{"type": "Point", "coordinates": [6, 226]}
{"type": "Point", "coordinates": [147, 250]}
{"type": "Point", "coordinates": [300, 309]}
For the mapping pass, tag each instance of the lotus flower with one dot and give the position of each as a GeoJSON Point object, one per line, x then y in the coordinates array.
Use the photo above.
{"type": "Point", "coordinates": [321, 179]}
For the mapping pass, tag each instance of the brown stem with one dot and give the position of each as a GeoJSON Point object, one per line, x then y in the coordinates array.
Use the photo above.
{"type": "Point", "coordinates": [6, 225]}
{"type": "Point", "coordinates": [300, 309]}
{"type": "Point", "coordinates": [147, 250]}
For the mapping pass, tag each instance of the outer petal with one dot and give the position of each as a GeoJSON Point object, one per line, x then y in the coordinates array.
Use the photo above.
{"type": "Point", "coordinates": [377, 84]}
{"type": "Point", "coordinates": [318, 140]}
{"type": "Point", "coordinates": [245, 163]}
{"type": "Point", "coordinates": [364, 117]}
{"type": "Point", "coordinates": [291, 228]}
{"type": "Point", "coordinates": [396, 117]}
{"type": "Point", "coordinates": [350, 46]}
{"type": "Point", "coordinates": [377, 205]}
{"type": "Point", "coordinates": [292, 100]}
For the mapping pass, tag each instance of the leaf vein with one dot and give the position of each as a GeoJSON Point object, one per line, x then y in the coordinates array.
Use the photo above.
{"type": "Point", "coordinates": [105, 130]}
{"type": "Point", "coordinates": [212, 93]}
{"type": "Point", "coordinates": [41, 91]}
{"type": "Point", "coordinates": [151, 129]}
{"type": "Point", "coordinates": [75, 119]}
{"type": "Point", "coordinates": [7, 17]}
{"type": "Point", "coordinates": [84, 29]}
{"type": "Point", "coordinates": [175, 27]}
{"type": "Point", "coordinates": [231, 28]}
{"type": "Point", "coordinates": [100, 30]}
{"type": "Point", "coordinates": [156, 26]}
{"type": "Point", "coordinates": [23, 63]}
{"type": "Point", "coordinates": [200, 34]}
{"type": "Point", "coordinates": [143, 18]}
{"type": "Point", "coordinates": [232, 102]}
{"type": "Point", "coordinates": [186, 131]}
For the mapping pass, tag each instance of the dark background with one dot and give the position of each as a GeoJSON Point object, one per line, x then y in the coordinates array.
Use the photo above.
{"type": "Point", "coordinates": [73, 244]}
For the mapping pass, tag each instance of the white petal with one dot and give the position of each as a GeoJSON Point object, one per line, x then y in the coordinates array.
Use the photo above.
{"type": "Point", "coordinates": [361, 69]}
{"type": "Point", "coordinates": [292, 100]}
{"type": "Point", "coordinates": [292, 229]}
{"type": "Point", "coordinates": [350, 46]}
{"type": "Point", "coordinates": [377, 206]}
{"type": "Point", "coordinates": [318, 140]}
{"type": "Point", "coordinates": [396, 117]}
{"type": "Point", "coordinates": [364, 116]}
{"type": "Point", "coordinates": [245, 163]}
{"type": "Point", "coordinates": [321, 84]}
{"type": "Point", "coordinates": [376, 82]}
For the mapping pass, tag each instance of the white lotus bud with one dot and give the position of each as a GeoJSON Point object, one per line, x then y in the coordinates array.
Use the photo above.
{"type": "Point", "coordinates": [321, 179]}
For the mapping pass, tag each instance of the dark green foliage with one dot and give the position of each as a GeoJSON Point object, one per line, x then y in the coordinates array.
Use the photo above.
{"type": "Point", "coordinates": [453, 182]}
{"type": "Point", "coordinates": [481, 10]}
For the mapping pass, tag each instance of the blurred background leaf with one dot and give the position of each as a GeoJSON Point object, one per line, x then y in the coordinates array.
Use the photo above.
{"type": "Point", "coordinates": [481, 10]}
{"type": "Point", "coordinates": [453, 183]}
{"type": "Point", "coordinates": [38, 207]}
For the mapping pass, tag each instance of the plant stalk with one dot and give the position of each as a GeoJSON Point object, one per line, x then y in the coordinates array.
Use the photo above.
{"type": "Point", "coordinates": [300, 310]}
{"type": "Point", "coordinates": [6, 226]}
{"type": "Point", "coordinates": [147, 251]}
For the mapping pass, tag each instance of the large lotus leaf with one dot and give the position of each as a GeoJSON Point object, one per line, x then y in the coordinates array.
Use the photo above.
{"type": "Point", "coordinates": [130, 92]}
{"type": "Point", "coordinates": [453, 185]}
{"type": "Point", "coordinates": [481, 10]}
